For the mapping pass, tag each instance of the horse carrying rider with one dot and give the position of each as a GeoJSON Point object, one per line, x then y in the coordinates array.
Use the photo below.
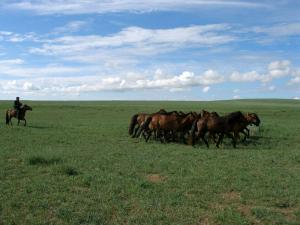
{"type": "Point", "coordinates": [17, 105]}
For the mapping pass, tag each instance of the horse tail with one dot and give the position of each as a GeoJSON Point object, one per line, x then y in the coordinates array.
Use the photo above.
{"type": "Point", "coordinates": [7, 117]}
{"type": "Point", "coordinates": [144, 126]}
{"type": "Point", "coordinates": [132, 124]}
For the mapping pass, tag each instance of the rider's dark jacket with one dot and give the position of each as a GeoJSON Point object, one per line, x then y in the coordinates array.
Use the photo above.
{"type": "Point", "coordinates": [17, 105]}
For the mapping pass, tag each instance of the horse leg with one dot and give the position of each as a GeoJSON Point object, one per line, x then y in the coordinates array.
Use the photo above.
{"type": "Point", "coordinates": [25, 123]}
{"type": "Point", "coordinates": [165, 136]}
{"type": "Point", "coordinates": [8, 120]}
{"type": "Point", "coordinates": [173, 134]}
{"type": "Point", "coordinates": [18, 122]}
{"type": "Point", "coordinates": [158, 130]}
{"type": "Point", "coordinates": [245, 135]}
{"type": "Point", "coordinates": [182, 134]}
{"type": "Point", "coordinates": [156, 134]}
{"type": "Point", "coordinates": [220, 140]}
{"type": "Point", "coordinates": [144, 135]}
{"type": "Point", "coordinates": [248, 132]}
{"type": "Point", "coordinates": [135, 131]}
{"type": "Point", "coordinates": [149, 135]}
{"type": "Point", "coordinates": [201, 134]}
{"type": "Point", "coordinates": [204, 140]}
{"type": "Point", "coordinates": [215, 138]}
{"type": "Point", "coordinates": [234, 138]}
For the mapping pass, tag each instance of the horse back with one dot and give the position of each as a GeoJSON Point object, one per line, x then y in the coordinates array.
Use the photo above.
{"type": "Point", "coordinates": [168, 122]}
{"type": "Point", "coordinates": [11, 112]}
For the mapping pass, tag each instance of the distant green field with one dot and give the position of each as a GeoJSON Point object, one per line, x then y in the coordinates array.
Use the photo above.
{"type": "Point", "coordinates": [75, 164]}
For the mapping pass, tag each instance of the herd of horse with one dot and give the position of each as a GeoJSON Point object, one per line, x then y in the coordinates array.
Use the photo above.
{"type": "Point", "coordinates": [176, 126]}
{"type": "Point", "coordinates": [191, 127]}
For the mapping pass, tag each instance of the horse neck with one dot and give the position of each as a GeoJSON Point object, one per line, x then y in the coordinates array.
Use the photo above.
{"type": "Point", "coordinates": [186, 119]}
{"type": "Point", "coordinates": [23, 111]}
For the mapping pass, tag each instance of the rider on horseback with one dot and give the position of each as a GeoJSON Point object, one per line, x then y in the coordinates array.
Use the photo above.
{"type": "Point", "coordinates": [17, 106]}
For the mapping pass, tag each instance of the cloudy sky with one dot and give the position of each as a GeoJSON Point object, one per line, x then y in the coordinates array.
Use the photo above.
{"type": "Point", "coordinates": [149, 50]}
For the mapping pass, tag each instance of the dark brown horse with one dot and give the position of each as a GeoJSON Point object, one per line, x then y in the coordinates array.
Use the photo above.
{"type": "Point", "coordinates": [10, 113]}
{"type": "Point", "coordinates": [230, 125]}
{"type": "Point", "coordinates": [252, 119]}
{"type": "Point", "coordinates": [172, 124]}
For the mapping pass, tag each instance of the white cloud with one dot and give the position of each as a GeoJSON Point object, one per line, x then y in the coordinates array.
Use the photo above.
{"type": "Point", "coordinates": [295, 80]}
{"type": "Point", "coordinates": [279, 69]}
{"type": "Point", "coordinates": [272, 88]}
{"type": "Point", "coordinates": [136, 41]}
{"type": "Point", "coordinates": [18, 68]}
{"type": "Point", "coordinates": [295, 77]}
{"type": "Point", "coordinates": [279, 30]}
{"type": "Point", "coordinates": [8, 36]}
{"type": "Point", "coordinates": [245, 77]}
{"type": "Point", "coordinates": [211, 77]}
{"type": "Point", "coordinates": [28, 86]}
{"type": "Point", "coordinates": [11, 62]}
{"type": "Point", "coordinates": [132, 43]}
{"type": "Point", "coordinates": [206, 89]}
{"type": "Point", "coordinates": [276, 69]}
{"type": "Point", "coordinates": [71, 27]}
{"type": "Point", "coordinates": [71, 85]}
{"type": "Point", "coordinates": [72, 81]}
{"type": "Point", "coordinates": [100, 6]}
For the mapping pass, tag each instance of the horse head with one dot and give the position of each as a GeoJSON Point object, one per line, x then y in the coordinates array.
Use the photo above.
{"type": "Point", "coordinates": [253, 118]}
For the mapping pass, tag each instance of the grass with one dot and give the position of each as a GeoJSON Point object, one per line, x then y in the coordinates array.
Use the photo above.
{"type": "Point", "coordinates": [75, 164]}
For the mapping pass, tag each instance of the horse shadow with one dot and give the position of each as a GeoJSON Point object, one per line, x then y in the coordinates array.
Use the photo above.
{"type": "Point", "coordinates": [254, 141]}
{"type": "Point", "coordinates": [39, 127]}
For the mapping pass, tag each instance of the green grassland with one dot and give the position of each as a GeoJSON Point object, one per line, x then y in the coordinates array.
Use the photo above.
{"type": "Point", "coordinates": [75, 164]}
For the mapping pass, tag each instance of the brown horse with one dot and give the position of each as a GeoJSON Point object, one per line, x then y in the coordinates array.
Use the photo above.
{"type": "Point", "coordinates": [137, 121]}
{"type": "Point", "coordinates": [222, 125]}
{"type": "Point", "coordinates": [172, 123]}
{"type": "Point", "coordinates": [144, 126]}
{"type": "Point", "coordinates": [10, 113]}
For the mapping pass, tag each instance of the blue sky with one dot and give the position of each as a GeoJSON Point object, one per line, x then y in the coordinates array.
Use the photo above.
{"type": "Point", "coordinates": [149, 50]}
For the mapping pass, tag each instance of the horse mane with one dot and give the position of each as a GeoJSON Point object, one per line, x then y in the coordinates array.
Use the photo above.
{"type": "Point", "coordinates": [161, 111]}
{"type": "Point", "coordinates": [169, 113]}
